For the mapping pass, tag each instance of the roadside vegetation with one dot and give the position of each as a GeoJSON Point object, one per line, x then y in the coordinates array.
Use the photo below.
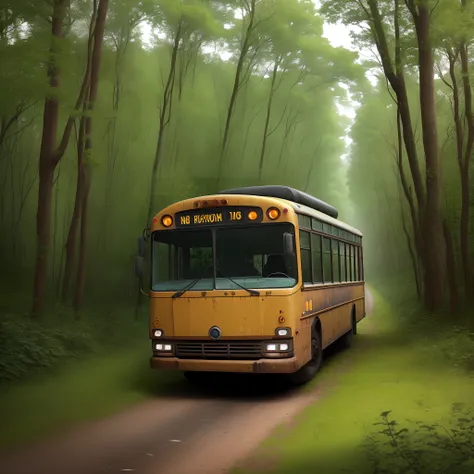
{"type": "Point", "coordinates": [400, 401]}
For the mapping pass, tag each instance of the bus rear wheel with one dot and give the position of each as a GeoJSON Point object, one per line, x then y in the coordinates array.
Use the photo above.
{"type": "Point", "coordinates": [306, 373]}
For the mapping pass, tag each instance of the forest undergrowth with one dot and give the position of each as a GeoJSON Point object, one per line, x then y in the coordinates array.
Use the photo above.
{"type": "Point", "coordinates": [33, 347]}
{"type": "Point", "coordinates": [402, 403]}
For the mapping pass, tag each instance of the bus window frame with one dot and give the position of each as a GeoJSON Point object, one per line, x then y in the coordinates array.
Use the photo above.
{"type": "Point", "coordinates": [353, 240]}
{"type": "Point", "coordinates": [213, 230]}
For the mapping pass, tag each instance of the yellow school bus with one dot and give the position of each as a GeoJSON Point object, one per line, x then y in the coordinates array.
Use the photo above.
{"type": "Point", "coordinates": [258, 280]}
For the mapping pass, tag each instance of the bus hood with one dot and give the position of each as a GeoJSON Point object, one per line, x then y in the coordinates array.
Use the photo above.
{"type": "Point", "coordinates": [237, 317]}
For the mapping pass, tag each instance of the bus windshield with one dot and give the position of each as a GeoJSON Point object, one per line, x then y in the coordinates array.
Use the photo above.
{"type": "Point", "coordinates": [249, 257]}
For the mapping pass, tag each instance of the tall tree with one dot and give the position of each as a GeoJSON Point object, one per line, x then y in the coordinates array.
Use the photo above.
{"type": "Point", "coordinates": [454, 29]}
{"type": "Point", "coordinates": [248, 49]}
{"type": "Point", "coordinates": [410, 22]}
{"type": "Point", "coordinates": [182, 25]}
{"type": "Point", "coordinates": [51, 152]}
{"type": "Point", "coordinates": [101, 8]}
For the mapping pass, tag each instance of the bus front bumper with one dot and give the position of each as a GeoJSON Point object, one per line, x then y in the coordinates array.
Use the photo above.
{"type": "Point", "coordinates": [260, 366]}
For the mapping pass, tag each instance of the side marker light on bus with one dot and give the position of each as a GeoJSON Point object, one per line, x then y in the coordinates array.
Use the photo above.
{"type": "Point", "coordinates": [167, 221]}
{"type": "Point", "coordinates": [253, 215]}
{"type": "Point", "coordinates": [273, 213]}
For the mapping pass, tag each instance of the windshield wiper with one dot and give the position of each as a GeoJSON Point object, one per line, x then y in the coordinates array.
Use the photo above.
{"type": "Point", "coordinates": [186, 288]}
{"type": "Point", "coordinates": [252, 292]}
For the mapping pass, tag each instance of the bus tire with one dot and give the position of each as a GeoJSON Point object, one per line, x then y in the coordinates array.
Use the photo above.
{"type": "Point", "coordinates": [306, 373]}
{"type": "Point", "coordinates": [346, 339]}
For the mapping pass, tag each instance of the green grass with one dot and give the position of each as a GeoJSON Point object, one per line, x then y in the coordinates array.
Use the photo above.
{"type": "Point", "coordinates": [82, 391]}
{"type": "Point", "coordinates": [65, 368]}
{"type": "Point", "coordinates": [417, 378]}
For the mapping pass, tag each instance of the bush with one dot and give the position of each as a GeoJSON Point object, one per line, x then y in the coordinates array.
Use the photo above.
{"type": "Point", "coordinates": [423, 448]}
{"type": "Point", "coordinates": [457, 345]}
{"type": "Point", "coordinates": [30, 347]}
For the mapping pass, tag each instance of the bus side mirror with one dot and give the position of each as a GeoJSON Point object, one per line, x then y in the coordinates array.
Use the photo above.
{"type": "Point", "coordinates": [141, 243]}
{"type": "Point", "coordinates": [139, 264]}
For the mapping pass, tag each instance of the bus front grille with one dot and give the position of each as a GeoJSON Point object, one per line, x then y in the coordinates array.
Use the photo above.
{"type": "Point", "coordinates": [242, 350]}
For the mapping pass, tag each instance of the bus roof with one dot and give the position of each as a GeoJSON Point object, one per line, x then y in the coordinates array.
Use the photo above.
{"type": "Point", "coordinates": [290, 194]}
{"type": "Point", "coordinates": [300, 208]}
{"type": "Point", "coordinates": [300, 201]}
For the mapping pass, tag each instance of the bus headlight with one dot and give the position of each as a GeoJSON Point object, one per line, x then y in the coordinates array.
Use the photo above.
{"type": "Point", "coordinates": [162, 347]}
{"type": "Point", "coordinates": [273, 347]}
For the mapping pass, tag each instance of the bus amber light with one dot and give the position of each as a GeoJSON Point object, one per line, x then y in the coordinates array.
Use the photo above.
{"type": "Point", "coordinates": [253, 215]}
{"type": "Point", "coordinates": [273, 213]}
{"type": "Point", "coordinates": [167, 221]}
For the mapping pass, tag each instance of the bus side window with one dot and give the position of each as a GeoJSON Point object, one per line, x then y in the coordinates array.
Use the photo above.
{"type": "Point", "coordinates": [353, 259]}
{"type": "Point", "coordinates": [348, 263]}
{"type": "Point", "coordinates": [342, 253]}
{"type": "Point", "coordinates": [305, 249]}
{"type": "Point", "coordinates": [317, 261]}
{"type": "Point", "coordinates": [327, 260]}
{"type": "Point", "coordinates": [335, 261]}
{"type": "Point", "coordinates": [357, 264]}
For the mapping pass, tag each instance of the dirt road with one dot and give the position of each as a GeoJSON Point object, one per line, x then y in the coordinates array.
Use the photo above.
{"type": "Point", "coordinates": [178, 434]}
{"type": "Point", "coordinates": [184, 432]}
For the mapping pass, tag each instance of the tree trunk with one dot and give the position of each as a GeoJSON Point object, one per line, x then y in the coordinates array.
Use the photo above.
{"type": "Point", "coordinates": [237, 84]}
{"type": "Point", "coordinates": [267, 118]}
{"type": "Point", "coordinates": [51, 154]}
{"type": "Point", "coordinates": [413, 255]}
{"type": "Point", "coordinates": [464, 169]}
{"type": "Point", "coordinates": [164, 119]}
{"type": "Point", "coordinates": [47, 163]}
{"type": "Point", "coordinates": [94, 85]}
{"type": "Point", "coordinates": [81, 269]}
{"type": "Point", "coordinates": [451, 267]}
{"type": "Point", "coordinates": [112, 148]}
{"type": "Point", "coordinates": [432, 226]}
{"type": "Point", "coordinates": [395, 76]}
{"type": "Point", "coordinates": [71, 242]}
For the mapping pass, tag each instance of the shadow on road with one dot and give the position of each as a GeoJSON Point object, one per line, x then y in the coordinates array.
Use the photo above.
{"type": "Point", "coordinates": [214, 385]}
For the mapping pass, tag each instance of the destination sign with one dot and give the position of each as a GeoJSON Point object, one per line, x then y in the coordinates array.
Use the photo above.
{"type": "Point", "coordinates": [219, 216]}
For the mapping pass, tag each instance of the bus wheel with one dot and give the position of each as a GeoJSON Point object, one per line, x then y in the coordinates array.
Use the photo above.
{"type": "Point", "coordinates": [306, 373]}
{"type": "Point", "coordinates": [346, 340]}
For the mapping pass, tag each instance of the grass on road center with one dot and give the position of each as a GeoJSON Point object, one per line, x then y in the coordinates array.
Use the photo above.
{"type": "Point", "coordinates": [391, 381]}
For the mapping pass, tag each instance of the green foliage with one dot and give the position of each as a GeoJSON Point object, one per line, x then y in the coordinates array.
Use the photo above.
{"type": "Point", "coordinates": [391, 365]}
{"type": "Point", "coordinates": [303, 147]}
{"type": "Point", "coordinates": [30, 347]}
{"type": "Point", "coordinates": [434, 448]}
